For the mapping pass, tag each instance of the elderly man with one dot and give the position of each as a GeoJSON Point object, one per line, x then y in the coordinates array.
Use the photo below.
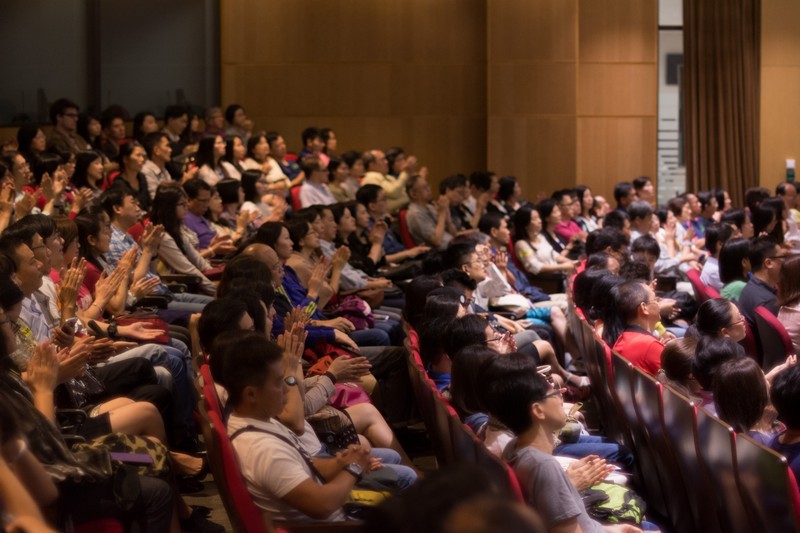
{"type": "Point", "coordinates": [378, 174]}
{"type": "Point", "coordinates": [428, 224]}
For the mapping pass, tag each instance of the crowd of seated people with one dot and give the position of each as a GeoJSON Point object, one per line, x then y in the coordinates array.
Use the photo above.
{"type": "Point", "coordinates": [303, 270]}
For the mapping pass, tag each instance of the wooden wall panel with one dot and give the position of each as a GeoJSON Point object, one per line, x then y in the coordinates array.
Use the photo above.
{"type": "Point", "coordinates": [618, 31]}
{"type": "Point", "coordinates": [531, 30]}
{"type": "Point", "coordinates": [618, 89]}
{"type": "Point", "coordinates": [397, 72]}
{"type": "Point", "coordinates": [612, 149]}
{"type": "Point", "coordinates": [780, 76]}
{"type": "Point", "coordinates": [532, 88]}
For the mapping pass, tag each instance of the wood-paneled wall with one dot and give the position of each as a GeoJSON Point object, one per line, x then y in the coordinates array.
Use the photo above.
{"type": "Point", "coordinates": [780, 83]}
{"type": "Point", "coordinates": [393, 72]}
{"type": "Point", "coordinates": [572, 91]}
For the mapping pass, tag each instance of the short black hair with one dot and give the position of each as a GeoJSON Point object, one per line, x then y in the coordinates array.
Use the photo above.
{"type": "Point", "coordinates": [481, 180]}
{"type": "Point", "coordinates": [309, 134]}
{"type": "Point", "coordinates": [785, 396]}
{"type": "Point", "coordinates": [310, 164]}
{"type": "Point", "coordinates": [615, 219]}
{"type": "Point", "coordinates": [114, 197]}
{"type": "Point", "coordinates": [452, 182]}
{"type": "Point", "coordinates": [457, 254]}
{"type": "Point", "coordinates": [455, 277]}
{"type": "Point", "coordinates": [174, 111]}
{"type": "Point", "coordinates": [646, 244]}
{"type": "Point", "coordinates": [489, 221]}
{"type": "Point", "coordinates": [59, 107]}
{"type": "Point", "coordinates": [194, 186]}
{"type": "Point", "coordinates": [628, 296]}
{"type": "Point", "coordinates": [230, 112]}
{"type": "Point", "coordinates": [640, 182]}
{"type": "Point", "coordinates": [711, 353]}
{"type": "Point", "coordinates": [760, 249]}
{"type": "Point", "coordinates": [635, 270]}
{"type": "Point", "coordinates": [246, 359]}
{"type": "Point", "coordinates": [219, 315]}
{"type": "Point", "coordinates": [640, 209]}
{"type": "Point", "coordinates": [510, 385]}
{"type": "Point", "coordinates": [599, 240]}
{"type": "Point", "coordinates": [368, 194]}
{"type": "Point", "coordinates": [462, 332]}
{"type": "Point", "coordinates": [717, 234]}
{"type": "Point", "coordinates": [704, 197]}
{"type": "Point", "coordinates": [151, 140]}
{"type": "Point", "coordinates": [621, 190]}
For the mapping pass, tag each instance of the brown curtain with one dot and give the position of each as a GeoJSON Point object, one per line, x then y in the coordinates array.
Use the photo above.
{"type": "Point", "coordinates": [722, 50]}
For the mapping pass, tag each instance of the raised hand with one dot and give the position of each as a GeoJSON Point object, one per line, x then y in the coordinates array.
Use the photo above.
{"type": "Point", "coordinates": [151, 238]}
{"type": "Point", "coordinates": [297, 316]}
{"type": "Point", "coordinates": [318, 276]}
{"type": "Point", "coordinates": [378, 232]}
{"type": "Point", "coordinates": [71, 281]}
{"type": "Point", "coordinates": [41, 375]}
{"type": "Point", "coordinates": [442, 205]}
{"type": "Point", "coordinates": [72, 362]}
{"type": "Point", "coordinates": [81, 199]}
{"type": "Point", "coordinates": [346, 368]}
{"type": "Point", "coordinates": [340, 257]}
{"type": "Point", "coordinates": [144, 286]}
{"type": "Point", "coordinates": [26, 203]}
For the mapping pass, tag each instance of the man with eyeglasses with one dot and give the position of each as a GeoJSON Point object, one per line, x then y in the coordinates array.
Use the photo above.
{"type": "Point", "coordinates": [208, 242]}
{"type": "Point", "coordinates": [523, 401]}
{"type": "Point", "coordinates": [64, 137]}
{"type": "Point", "coordinates": [766, 259]}
{"type": "Point", "coordinates": [568, 203]}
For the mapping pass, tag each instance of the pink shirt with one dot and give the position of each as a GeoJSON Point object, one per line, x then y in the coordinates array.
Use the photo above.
{"type": "Point", "coordinates": [566, 230]}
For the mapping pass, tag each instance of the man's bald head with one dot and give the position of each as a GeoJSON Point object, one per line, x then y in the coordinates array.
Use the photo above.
{"type": "Point", "coordinates": [266, 255]}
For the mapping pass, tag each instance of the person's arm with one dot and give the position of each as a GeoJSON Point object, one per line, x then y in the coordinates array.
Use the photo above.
{"type": "Point", "coordinates": [321, 501]}
{"type": "Point", "coordinates": [316, 392]}
{"type": "Point", "coordinates": [442, 206]}
{"type": "Point", "coordinates": [16, 500]}
{"type": "Point", "coordinates": [31, 474]}
{"type": "Point", "coordinates": [175, 259]}
{"type": "Point", "coordinates": [480, 208]}
{"type": "Point", "coordinates": [293, 414]}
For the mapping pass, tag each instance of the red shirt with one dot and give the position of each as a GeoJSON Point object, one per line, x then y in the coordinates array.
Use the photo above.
{"type": "Point", "coordinates": [640, 348]}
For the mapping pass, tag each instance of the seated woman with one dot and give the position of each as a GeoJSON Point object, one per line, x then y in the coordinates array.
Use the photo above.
{"type": "Point", "coordinates": [739, 219]}
{"type": "Point", "coordinates": [676, 367]}
{"type": "Point", "coordinates": [257, 157]}
{"type": "Point", "coordinates": [742, 399]}
{"type": "Point", "coordinates": [339, 181]}
{"type": "Point", "coordinates": [257, 197]}
{"type": "Point", "coordinates": [169, 208]}
{"type": "Point", "coordinates": [789, 299]}
{"type": "Point", "coordinates": [234, 154]}
{"type": "Point", "coordinates": [211, 161]}
{"type": "Point", "coordinates": [309, 296]}
{"type": "Point", "coordinates": [509, 197]}
{"type": "Point", "coordinates": [587, 219]}
{"type": "Point", "coordinates": [225, 215]}
{"type": "Point", "coordinates": [734, 267]}
{"type": "Point", "coordinates": [130, 178]}
{"type": "Point", "coordinates": [89, 173]}
{"type": "Point", "coordinates": [532, 249]}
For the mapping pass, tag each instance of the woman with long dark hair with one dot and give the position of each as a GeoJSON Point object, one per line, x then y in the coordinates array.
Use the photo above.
{"type": "Point", "coordinates": [175, 254]}
{"type": "Point", "coordinates": [532, 248]}
{"type": "Point", "coordinates": [211, 161]}
{"type": "Point", "coordinates": [131, 160]}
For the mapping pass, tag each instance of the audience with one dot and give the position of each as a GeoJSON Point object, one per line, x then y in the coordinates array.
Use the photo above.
{"type": "Point", "coordinates": [90, 218]}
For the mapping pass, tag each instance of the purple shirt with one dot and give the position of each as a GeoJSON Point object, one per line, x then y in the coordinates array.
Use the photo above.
{"type": "Point", "coordinates": [202, 227]}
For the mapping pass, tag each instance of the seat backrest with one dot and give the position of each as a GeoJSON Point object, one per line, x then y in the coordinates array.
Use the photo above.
{"type": "Point", "coordinates": [750, 344]}
{"type": "Point", "coordinates": [697, 284]}
{"type": "Point", "coordinates": [680, 426]}
{"type": "Point", "coordinates": [464, 441]}
{"type": "Point", "coordinates": [712, 292]}
{"type": "Point", "coordinates": [767, 489]}
{"type": "Point", "coordinates": [242, 512]}
{"type": "Point", "coordinates": [408, 240]}
{"type": "Point", "coordinates": [513, 255]}
{"type": "Point", "coordinates": [717, 450]}
{"type": "Point", "coordinates": [210, 392]}
{"type": "Point", "coordinates": [650, 409]}
{"type": "Point", "coordinates": [776, 344]}
{"type": "Point", "coordinates": [648, 471]}
{"type": "Point", "coordinates": [295, 194]}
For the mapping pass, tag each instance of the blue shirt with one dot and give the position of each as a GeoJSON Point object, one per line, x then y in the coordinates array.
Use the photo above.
{"type": "Point", "coordinates": [202, 227]}
{"type": "Point", "coordinates": [290, 294]}
{"type": "Point", "coordinates": [790, 451]}
{"type": "Point", "coordinates": [391, 242]}
{"type": "Point", "coordinates": [121, 242]}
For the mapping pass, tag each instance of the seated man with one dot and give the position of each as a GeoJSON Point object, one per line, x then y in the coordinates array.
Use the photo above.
{"type": "Point", "coordinates": [123, 211]}
{"type": "Point", "coordinates": [636, 307]}
{"type": "Point", "coordinates": [207, 241]}
{"type": "Point", "coordinates": [523, 401]}
{"type": "Point", "coordinates": [428, 224]}
{"type": "Point", "coordinates": [483, 185]}
{"type": "Point", "coordinates": [314, 190]}
{"type": "Point", "coordinates": [283, 479]}
{"type": "Point", "coordinates": [766, 259]}
{"type": "Point", "coordinates": [377, 166]}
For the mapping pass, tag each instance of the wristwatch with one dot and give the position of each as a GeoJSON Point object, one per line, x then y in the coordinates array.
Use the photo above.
{"type": "Point", "coordinates": [290, 380]}
{"type": "Point", "coordinates": [112, 329]}
{"type": "Point", "coordinates": [355, 470]}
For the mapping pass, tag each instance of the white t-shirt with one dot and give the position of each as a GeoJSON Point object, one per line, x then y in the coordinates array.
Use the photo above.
{"type": "Point", "coordinates": [272, 468]}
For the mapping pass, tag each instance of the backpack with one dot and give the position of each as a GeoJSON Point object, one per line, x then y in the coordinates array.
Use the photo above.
{"type": "Point", "coordinates": [611, 503]}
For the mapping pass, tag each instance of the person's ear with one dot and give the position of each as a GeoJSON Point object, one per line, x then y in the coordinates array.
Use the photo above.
{"type": "Point", "coordinates": [92, 240]}
{"type": "Point", "coordinates": [537, 412]}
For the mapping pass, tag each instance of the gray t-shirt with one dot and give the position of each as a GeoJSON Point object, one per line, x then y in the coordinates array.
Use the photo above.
{"type": "Point", "coordinates": [547, 488]}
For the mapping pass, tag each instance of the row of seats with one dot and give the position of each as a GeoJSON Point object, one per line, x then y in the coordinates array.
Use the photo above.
{"type": "Point", "coordinates": [694, 469]}
{"type": "Point", "coordinates": [772, 342]}
{"type": "Point", "coordinates": [452, 441]}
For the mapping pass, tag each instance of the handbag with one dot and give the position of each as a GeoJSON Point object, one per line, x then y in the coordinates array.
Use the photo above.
{"type": "Point", "coordinates": [123, 448]}
{"type": "Point", "coordinates": [356, 311]}
{"type": "Point", "coordinates": [82, 391]}
{"type": "Point", "coordinates": [334, 428]}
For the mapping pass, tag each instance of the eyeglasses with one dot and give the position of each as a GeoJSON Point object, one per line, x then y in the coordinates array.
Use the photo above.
{"type": "Point", "coordinates": [784, 256]}
{"type": "Point", "coordinates": [736, 322]}
{"type": "Point", "coordinates": [555, 393]}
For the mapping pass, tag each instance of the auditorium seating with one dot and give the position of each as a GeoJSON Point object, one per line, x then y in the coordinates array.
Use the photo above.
{"type": "Point", "coordinates": [700, 291]}
{"type": "Point", "coordinates": [775, 341]}
{"type": "Point", "coordinates": [405, 235]}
